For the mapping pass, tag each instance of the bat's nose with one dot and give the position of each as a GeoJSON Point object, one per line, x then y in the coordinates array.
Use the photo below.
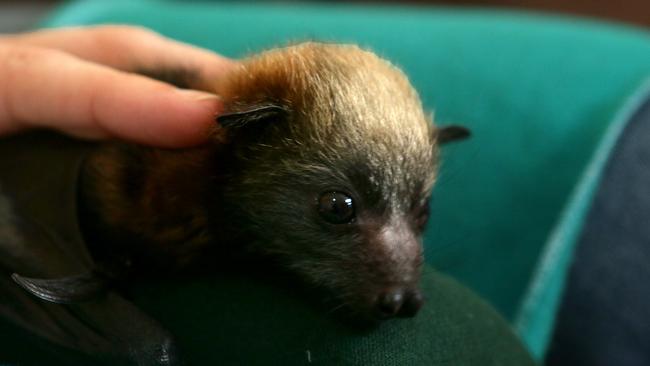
{"type": "Point", "coordinates": [398, 301]}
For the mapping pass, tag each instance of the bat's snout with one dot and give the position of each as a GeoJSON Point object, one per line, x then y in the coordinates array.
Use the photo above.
{"type": "Point", "coordinates": [398, 302]}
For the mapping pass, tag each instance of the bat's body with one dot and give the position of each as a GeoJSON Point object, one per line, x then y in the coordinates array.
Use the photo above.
{"type": "Point", "coordinates": [323, 163]}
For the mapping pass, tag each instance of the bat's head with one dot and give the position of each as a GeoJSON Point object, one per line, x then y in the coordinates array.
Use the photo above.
{"type": "Point", "coordinates": [335, 163]}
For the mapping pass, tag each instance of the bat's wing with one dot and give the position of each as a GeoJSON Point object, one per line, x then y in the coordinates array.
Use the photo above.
{"type": "Point", "coordinates": [67, 290]}
{"type": "Point", "coordinates": [49, 284]}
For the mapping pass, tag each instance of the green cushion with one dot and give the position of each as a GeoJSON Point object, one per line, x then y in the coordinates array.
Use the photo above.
{"type": "Point", "coordinates": [254, 321]}
{"type": "Point", "coordinates": [540, 93]}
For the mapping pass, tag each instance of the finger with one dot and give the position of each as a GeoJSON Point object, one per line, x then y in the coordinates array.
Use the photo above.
{"type": "Point", "coordinates": [48, 88]}
{"type": "Point", "coordinates": [128, 48]}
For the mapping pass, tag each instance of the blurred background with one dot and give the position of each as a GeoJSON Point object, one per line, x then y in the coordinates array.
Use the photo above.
{"type": "Point", "coordinates": [16, 16]}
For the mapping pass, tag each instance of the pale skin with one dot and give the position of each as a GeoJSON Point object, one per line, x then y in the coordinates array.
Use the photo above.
{"type": "Point", "coordinates": [80, 81]}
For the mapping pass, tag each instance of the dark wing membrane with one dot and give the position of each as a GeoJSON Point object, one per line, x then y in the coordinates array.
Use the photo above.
{"type": "Point", "coordinates": [62, 300]}
{"type": "Point", "coordinates": [67, 290]}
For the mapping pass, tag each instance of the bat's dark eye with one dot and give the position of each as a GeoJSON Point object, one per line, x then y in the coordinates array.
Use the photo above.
{"type": "Point", "coordinates": [336, 207]}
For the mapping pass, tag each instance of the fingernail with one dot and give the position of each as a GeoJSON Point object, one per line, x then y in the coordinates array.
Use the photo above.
{"type": "Point", "coordinates": [198, 95]}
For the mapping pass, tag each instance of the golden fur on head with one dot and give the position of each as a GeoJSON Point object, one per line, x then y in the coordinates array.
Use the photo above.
{"type": "Point", "coordinates": [352, 123]}
{"type": "Point", "coordinates": [342, 99]}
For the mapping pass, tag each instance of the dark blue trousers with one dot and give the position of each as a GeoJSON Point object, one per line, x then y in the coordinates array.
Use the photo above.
{"type": "Point", "coordinates": [605, 315]}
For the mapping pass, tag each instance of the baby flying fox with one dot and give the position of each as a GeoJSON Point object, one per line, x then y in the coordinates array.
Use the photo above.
{"type": "Point", "coordinates": [323, 162]}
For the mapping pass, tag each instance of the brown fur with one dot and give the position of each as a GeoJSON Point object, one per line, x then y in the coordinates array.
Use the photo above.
{"type": "Point", "coordinates": [353, 123]}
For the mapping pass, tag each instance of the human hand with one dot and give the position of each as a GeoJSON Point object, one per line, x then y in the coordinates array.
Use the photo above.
{"type": "Point", "coordinates": [79, 81]}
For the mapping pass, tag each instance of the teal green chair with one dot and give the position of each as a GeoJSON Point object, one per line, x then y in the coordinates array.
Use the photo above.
{"type": "Point", "coordinates": [545, 97]}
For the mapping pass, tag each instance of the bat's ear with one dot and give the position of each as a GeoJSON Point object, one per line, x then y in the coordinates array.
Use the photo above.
{"type": "Point", "coordinates": [255, 114]}
{"type": "Point", "coordinates": [450, 133]}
